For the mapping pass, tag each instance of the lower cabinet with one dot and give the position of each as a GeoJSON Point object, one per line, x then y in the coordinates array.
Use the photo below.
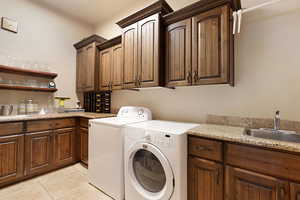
{"type": "Point", "coordinates": [205, 179]}
{"type": "Point", "coordinates": [38, 152]}
{"type": "Point", "coordinates": [64, 146]}
{"type": "Point", "coordinates": [245, 185]}
{"type": "Point", "coordinates": [84, 143]}
{"type": "Point", "coordinates": [295, 191]}
{"type": "Point", "coordinates": [11, 157]}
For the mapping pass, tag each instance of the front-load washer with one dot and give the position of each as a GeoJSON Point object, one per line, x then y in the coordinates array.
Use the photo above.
{"type": "Point", "coordinates": [105, 164]}
{"type": "Point", "coordinates": [155, 160]}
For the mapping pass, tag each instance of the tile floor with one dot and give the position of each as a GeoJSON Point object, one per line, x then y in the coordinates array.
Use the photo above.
{"type": "Point", "coordinates": [69, 183]}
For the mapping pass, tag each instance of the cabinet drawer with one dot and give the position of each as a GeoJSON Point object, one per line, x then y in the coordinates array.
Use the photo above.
{"type": "Point", "coordinates": [204, 148]}
{"type": "Point", "coordinates": [274, 163]}
{"type": "Point", "coordinates": [84, 122]}
{"type": "Point", "coordinates": [11, 128]}
{"type": "Point", "coordinates": [40, 125]}
{"type": "Point", "coordinates": [64, 123]}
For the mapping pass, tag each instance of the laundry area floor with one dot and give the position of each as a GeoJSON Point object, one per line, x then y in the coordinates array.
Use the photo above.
{"type": "Point", "coordinates": [70, 183]}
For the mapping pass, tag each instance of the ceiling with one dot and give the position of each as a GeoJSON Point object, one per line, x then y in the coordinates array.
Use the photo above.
{"type": "Point", "coordinates": [93, 12]}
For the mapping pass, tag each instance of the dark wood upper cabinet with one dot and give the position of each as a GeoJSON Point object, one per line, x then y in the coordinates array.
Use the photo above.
{"type": "Point", "coordinates": [245, 185]}
{"type": "Point", "coordinates": [130, 57]}
{"type": "Point", "coordinates": [64, 146]}
{"type": "Point", "coordinates": [87, 73]}
{"type": "Point", "coordinates": [111, 65]}
{"type": "Point", "coordinates": [178, 53]}
{"type": "Point", "coordinates": [211, 46]}
{"type": "Point", "coordinates": [142, 46]}
{"type": "Point", "coordinates": [12, 157]}
{"type": "Point", "coordinates": [295, 191]}
{"type": "Point", "coordinates": [38, 152]}
{"type": "Point", "coordinates": [205, 180]}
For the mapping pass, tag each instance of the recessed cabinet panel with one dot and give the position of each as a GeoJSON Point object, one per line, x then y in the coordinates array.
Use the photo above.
{"type": "Point", "coordinates": [148, 51]}
{"type": "Point", "coordinates": [38, 152]}
{"type": "Point", "coordinates": [205, 180]}
{"type": "Point", "coordinates": [178, 53]}
{"type": "Point", "coordinates": [211, 47]}
{"type": "Point", "coordinates": [84, 144]}
{"type": "Point", "coordinates": [117, 67]}
{"type": "Point", "coordinates": [11, 159]}
{"type": "Point", "coordinates": [295, 191]}
{"type": "Point", "coordinates": [81, 62]}
{"type": "Point", "coordinates": [129, 44]}
{"type": "Point", "coordinates": [105, 69]}
{"type": "Point", "coordinates": [90, 67]}
{"type": "Point", "coordinates": [245, 185]}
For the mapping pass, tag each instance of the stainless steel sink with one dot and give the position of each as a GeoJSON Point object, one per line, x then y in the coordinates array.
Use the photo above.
{"type": "Point", "coordinates": [286, 136]}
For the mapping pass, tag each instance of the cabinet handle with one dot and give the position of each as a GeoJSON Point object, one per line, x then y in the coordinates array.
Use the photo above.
{"type": "Point", "coordinates": [189, 77]}
{"type": "Point", "coordinates": [282, 193]}
{"type": "Point", "coordinates": [195, 76]}
{"type": "Point", "coordinates": [202, 148]}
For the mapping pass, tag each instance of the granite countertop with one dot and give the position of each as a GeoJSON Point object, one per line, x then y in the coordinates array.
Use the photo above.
{"type": "Point", "coordinates": [55, 115]}
{"type": "Point", "coordinates": [235, 134]}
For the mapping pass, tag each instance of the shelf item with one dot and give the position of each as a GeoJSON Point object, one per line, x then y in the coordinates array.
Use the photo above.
{"type": "Point", "coordinates": [15, 70]}
{"type": "Point", "coordinates": [26, 88]}
{"type": "Point", "coordinates": [98, 102]}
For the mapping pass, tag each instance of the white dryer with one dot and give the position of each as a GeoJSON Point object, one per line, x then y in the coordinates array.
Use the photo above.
{"type": "Point", "coordinates": [155, 154]}
{"type": "Point", "coordinates": [106, 169]}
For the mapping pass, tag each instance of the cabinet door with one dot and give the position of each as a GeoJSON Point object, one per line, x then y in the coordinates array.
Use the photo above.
{"type": "Point", "coordinates": [80, 70]}
{"type": "Point", "coordinates": [211, 47]}
{"type": "Point", "coordinates": [178, 54]}
{"type": "Point", "coordinates": [12, 157]}
{"type": "Point", "coordinates": [38, 152]}
{"type": "Point", "coordinates": [148, 51]}
{"type": "Point", "coordinates": [90, 67]}
{"type": "Point", "coordinates": [205, 180]}
{"type": "Point", "coordinates": [295, 191]}
{"type": "Point", "coordinates": [246, 185]}
{"type": "Point", "coordinates": [64, 146]}
{"type": "Point", "coordinates": [129, 45]}
{"type": "Point", "coordinates": [105, 68]}
{"type": "Point", "coordinates": [84, 145]}
{"type": "Point", "coordinates": [117, 70]}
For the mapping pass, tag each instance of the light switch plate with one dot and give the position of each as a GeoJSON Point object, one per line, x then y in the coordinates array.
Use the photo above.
{"type": "Point", "coordinates": [9, 25]}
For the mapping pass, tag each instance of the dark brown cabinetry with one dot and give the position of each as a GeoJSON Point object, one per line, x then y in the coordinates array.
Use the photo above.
{"type": "Point", "coordinates": [245, 185]}
{"type": "Point", "coordinates": [142, 46]}
{"type": "Point", "coordinates": [178, 53]}
{"type": "Point", "coordinates": [12, 157]}
{"type": "Point", "coordinates": [84, 145]}
{"type": "Point", "coordinates": [38, 152]}
{"type": "Point", "coordinates": [295, 191]}
{"type": "Point", "coordinates": [199, 49]}
{"type": "Point", "coordinates": [64, 146]}
{"type": "Point", "coordinates": [87, 77]}
{"type": "Point", "coordinates": [111, 65]}
{"type": "Point", "coordinates": [205, 179]}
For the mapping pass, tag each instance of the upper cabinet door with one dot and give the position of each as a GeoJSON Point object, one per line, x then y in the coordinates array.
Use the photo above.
{"type": "Point", "coordinates": [117, 70]}
{"type": "Point", "coordinates": [105, 69]}
{"type": "Point", "coordinates": [81, 62]}
{"type": "Point", "coordinates": [245, 185]}
{"type": "Point", "coordinates": [148, 51]}
{"type": "Point", "coordinates": [129, 45]}
{"type": "Point", "coordinates": [178, 54]}
{"type": "Point", "coordinates": [90, 67]}
{"type": "Point", "coordinates": [211, 47]}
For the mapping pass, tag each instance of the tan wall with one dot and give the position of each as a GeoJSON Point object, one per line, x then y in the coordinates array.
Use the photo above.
{"type": "Point", "coordinates": [45, 35]}
{"type": "Point", "coordinates": [267, 74]}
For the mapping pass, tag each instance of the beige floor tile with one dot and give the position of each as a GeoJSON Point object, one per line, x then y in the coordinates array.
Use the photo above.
{"type": "Point", "coordinates": [81, 169]}
{"type": "Point", "coordinates": [34, 192]}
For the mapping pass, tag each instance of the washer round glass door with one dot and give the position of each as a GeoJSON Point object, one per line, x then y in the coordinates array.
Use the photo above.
{"type": "Point", "coordinates": [150, 172]}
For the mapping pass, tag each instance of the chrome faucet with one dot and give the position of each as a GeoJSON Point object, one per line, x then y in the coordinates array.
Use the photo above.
{"type": "Point", "coordinates": [277, 121]}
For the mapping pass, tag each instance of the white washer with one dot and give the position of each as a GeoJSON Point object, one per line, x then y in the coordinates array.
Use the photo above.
{"type": "Point", "coordinates": [106, 161]}
{"type": "Point", "coordinates": [155, 154]}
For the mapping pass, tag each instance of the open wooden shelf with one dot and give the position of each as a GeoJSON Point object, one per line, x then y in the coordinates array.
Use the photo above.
{"type": "Point", "coordinates": [26, 88]}
{"type": "Point", "coordinates": [15, 70]}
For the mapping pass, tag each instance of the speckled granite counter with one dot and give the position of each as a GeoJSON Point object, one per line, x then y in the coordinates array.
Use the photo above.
{"type": "Point", "coordinates": [235, 134]}
{"type": "Point", "coordinates": [53, 116]}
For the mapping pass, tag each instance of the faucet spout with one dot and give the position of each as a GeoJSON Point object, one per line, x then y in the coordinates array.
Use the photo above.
{"type": "Point", "coordinates": [277, 121]}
